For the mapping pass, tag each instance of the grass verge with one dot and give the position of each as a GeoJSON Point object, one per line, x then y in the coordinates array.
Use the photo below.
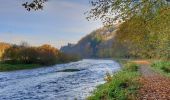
{"type": "Point", "coordinates": [122, 85]}
{"type": "Point", "coordinates": [163, 67]}
{"type": "Point", "coordinates": [12, 67]}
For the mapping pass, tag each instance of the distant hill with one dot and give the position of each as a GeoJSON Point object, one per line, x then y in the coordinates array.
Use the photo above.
{"type": "Point", "coordinates": [97, 44]}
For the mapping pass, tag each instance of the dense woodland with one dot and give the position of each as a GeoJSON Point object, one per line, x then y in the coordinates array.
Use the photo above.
{"type": "Point", "coordinates": [94, 45]}
{"type": "Point", "coordinates": [144, 28]}
{"type": "Point", "coordinates": [136, 37]}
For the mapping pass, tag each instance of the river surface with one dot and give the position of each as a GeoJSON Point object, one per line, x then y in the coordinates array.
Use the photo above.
{"type": "Point", "coordinates": [50, 83]}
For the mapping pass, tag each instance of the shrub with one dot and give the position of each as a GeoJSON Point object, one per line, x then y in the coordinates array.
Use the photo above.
{"type": "Point", "coordinates": [108, 77]}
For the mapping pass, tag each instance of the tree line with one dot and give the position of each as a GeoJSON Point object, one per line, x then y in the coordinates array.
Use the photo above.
{"type": "Point", "coordinates": [144, 31]}
{"type": "Point", "coordinates": [43, 55]}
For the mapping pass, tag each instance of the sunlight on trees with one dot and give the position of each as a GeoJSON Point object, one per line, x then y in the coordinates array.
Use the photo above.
{"type": "Point", "coordinates": [44, 55]}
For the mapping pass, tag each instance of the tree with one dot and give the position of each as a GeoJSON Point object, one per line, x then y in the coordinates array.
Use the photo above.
{"type": "Point", "coordinates": [149, 39]}
{"type": "Point", "coordinates": [34, 5]}
{"type": "Point", "coordinates": [47, 54]}
{"type": "Point", "coordinates": [11, 53]}
{"type": "Point", "coordinates": [3, 47]}
{"type": "Point", "coordinates": [112, 10]}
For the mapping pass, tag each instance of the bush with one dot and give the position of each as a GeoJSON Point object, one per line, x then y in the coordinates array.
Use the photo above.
{"type": "Point", "coordinates": [108, 77]}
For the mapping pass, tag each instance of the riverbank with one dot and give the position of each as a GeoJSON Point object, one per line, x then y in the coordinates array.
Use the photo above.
{"type": "Point", "coordinates": [138, 80]}
{"type": "Point", "coordinates": [122, 85]}
{"type": "Point", "coordinates": [12, 67]}
{"type": "Point", "coordinates": [5, 67]}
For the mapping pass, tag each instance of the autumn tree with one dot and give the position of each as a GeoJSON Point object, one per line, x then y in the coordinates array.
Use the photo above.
{"type": "Point", "coordinates": [3, 47]}
{"type": "Point", "coordinates": [48, 54]}
{"type": "Point", "coordinates": [11, 53]}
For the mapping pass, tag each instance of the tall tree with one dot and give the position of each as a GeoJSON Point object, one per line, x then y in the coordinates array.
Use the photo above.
{"type": "Point", "coordinates": [112, 10]}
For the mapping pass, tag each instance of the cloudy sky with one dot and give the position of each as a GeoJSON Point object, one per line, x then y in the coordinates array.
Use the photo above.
{"type": "Point", "coordinates": [61, 22]}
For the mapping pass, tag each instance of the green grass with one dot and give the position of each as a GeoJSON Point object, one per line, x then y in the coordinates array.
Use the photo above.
{"type": "Point", "coordinates": [12, 67]}
{"type": "Point", "coordinates": [123, 86]}
{"type": "Point", "coordinates": [162, 67]}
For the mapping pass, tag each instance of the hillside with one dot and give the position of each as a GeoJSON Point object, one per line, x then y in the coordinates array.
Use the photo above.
{"type": "Point", "coordinates": [100, 43]}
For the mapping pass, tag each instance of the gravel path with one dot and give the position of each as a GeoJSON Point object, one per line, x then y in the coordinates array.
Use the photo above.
{"type": "Point", "coordinates": [154, 85]}
{"type": "Point", "coordinates": [146, 71]}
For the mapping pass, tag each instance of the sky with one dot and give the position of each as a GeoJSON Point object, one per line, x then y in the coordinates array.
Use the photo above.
{"type": "Point", "coordinates": [61, 22]}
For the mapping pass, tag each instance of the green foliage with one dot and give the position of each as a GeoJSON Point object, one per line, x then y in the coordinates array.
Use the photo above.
{"type": "Point", "coordinates": [111, 10]}
{"type": "Point", "coordinates": [147, 39]}
{"type": "Point", "coordinates": [162, 67]}
{"type": "Point", "coordinates": [122, 86]}
{"type": "Point", "coordinates": [145, 30]}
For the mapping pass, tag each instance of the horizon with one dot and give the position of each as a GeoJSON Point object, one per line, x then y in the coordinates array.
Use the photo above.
{"type": "Point", "coordinates": [61, 22]}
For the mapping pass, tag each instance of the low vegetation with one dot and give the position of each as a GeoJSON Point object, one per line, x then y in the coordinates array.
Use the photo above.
{"type": "Point", "coordinates": [12, 67]}
{"type": "Point", "coordinates": [162, 67]}
{"type": "Point", "coordinates": [121, 86]}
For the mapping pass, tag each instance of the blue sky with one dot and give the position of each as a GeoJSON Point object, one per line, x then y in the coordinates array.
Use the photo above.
{"type": "Point", "coordinates": [61, 22]}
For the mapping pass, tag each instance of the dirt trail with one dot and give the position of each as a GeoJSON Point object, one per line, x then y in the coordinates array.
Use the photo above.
{"type": "Point", "coordinates": [146, 71]}
{"type": "Point", "coordinates": [154, 85]}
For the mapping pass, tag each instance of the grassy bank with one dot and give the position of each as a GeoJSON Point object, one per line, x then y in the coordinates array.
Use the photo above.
{"type": "Point", "coordinates": [163, 67]}
{"type": "Point", "coordinates": [121, 86]}
{"type": "Point", "coordinates": [12, 67]}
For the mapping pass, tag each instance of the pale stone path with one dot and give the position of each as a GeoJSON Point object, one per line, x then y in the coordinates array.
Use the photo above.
{"type": "Point", "coordinates": [146, 71]}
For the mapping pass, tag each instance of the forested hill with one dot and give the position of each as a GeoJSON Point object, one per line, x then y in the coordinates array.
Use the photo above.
{"type": "Point", "coordinates": [97, 44]}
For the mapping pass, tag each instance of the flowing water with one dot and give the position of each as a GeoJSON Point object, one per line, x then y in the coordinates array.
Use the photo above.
{"type": "Point", "coordinates": [53, 83]}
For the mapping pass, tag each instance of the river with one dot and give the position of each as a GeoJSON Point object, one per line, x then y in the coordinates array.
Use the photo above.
{"type": "Point", "coordinates": [53, 83]}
